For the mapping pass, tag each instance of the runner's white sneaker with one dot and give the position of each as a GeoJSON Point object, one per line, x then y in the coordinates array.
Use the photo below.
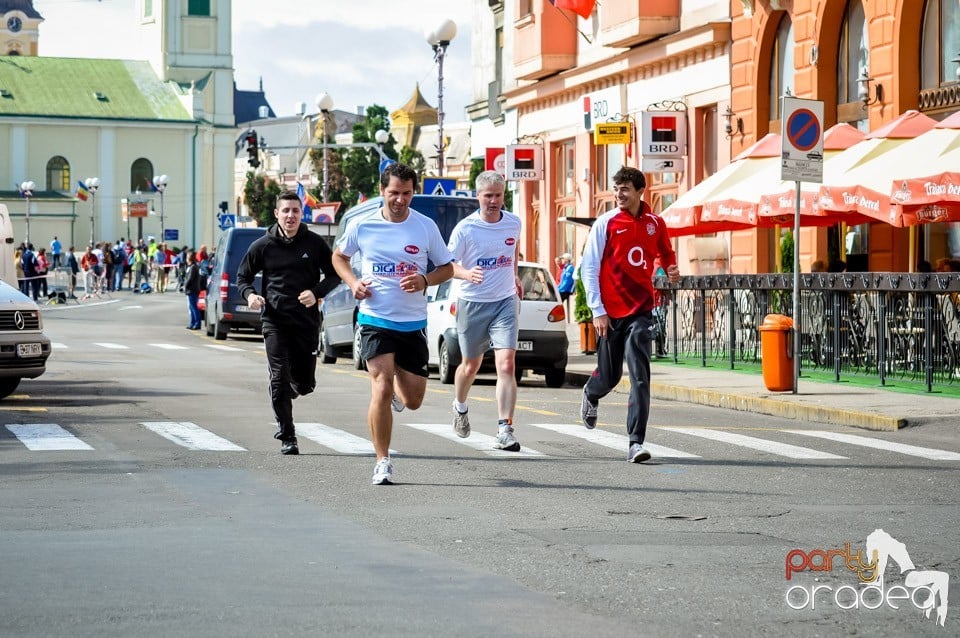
{"type": "Point", "coordinates": [461, 423]}
{"type": "Point", "coordinates": [506, 440]}
{"type": "Point", "coordinates": [397, 404]}
{"type": "Point", "coordinates": [637, 453]}
{"type": "Point", "coordinates": [383, 472]}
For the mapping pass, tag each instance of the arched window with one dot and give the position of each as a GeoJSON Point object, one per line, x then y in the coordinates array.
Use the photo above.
{"type": "Point", "coordinates": [58, 174]}
{"type": "Point", "coordinates": [941, 43]}
{"type": "Point", "coordinates": [854, 59]}
{"type": "Point", "coordinates": [141, 175]}
{"type": "Point", "coordinates": [781, 69]}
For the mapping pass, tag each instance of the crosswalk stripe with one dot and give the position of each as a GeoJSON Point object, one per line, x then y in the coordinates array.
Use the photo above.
{"type": "Point", "coordinates": [215, 346]}
{"type": "Point", "coordinates": [889, 446]}
{"type": "Point", "coordinates": [763, 445]}
{"type": "Point", "coordinates": [111, 346]}
{"type": "Point", "coordinates": [56, 345]}
{"type": "Point", "coordinates": [480, 442]}
{"type": "Point", "coordinates": [337, 440]}
{"type": "Point", "coordinates": [612, 440]}
{"type": "Point", "coordinates": [192, 436]}
{"type": "Point", "coordinates": [169, 346]}
{"type": "Point", "coordinates": [46, 436]}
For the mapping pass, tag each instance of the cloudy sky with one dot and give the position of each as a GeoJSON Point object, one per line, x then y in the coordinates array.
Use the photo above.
{"type": "Point", "coordinates": [361, 52]}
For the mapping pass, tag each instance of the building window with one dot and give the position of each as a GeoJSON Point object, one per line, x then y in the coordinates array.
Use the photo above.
{"type": "Point", "coordinates": [940, 43]}
{"type": "Point", "coordinates": [608, 159]}
{"type": "Point", "coordinates": [524, 8]}
{"type": "Point", "coordinates": [565, 162]}
{"type": "Point", "coordinates": [781, 69]}
{"type": "Point", "coordinates": [662, 190]}
{"type": "Point", "coordinates": [58, 174]}
{"type": "Point", "coordinates": [141, 175]}
{"type": "Point", "coordinates": [147, 8]}
{"type": "Point", "coordinates": [198, 7]}
{"type": "Point", "coordinates": [853, 60]}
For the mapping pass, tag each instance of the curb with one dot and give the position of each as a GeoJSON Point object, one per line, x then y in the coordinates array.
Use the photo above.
{"type": "Point", "coordinates": [772, 407]}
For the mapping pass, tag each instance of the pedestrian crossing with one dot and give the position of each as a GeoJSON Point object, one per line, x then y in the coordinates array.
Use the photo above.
{"type": "Point", "coordinates": [720, 443]}
{"type": "Point", "coordinates": [201, 346]}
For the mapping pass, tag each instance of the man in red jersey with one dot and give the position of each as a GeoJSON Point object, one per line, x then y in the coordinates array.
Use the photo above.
{"type": "Point", "coordinates": [617, 270]}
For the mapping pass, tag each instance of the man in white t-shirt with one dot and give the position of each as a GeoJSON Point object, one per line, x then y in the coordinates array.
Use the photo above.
{"type": "Point", "coordinates": [485, 246]}
{"type": "Point", "coordinates": [394, 243]}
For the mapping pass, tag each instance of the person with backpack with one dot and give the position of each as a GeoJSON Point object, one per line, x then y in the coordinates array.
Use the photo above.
{"type": "Point", "coordinates": [28, 260]}
{"type": "Point", "coordinates": [119, 265]}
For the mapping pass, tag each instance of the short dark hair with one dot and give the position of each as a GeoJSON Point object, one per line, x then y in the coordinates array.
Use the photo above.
{"type": "Point", "coordinates": [401, 171]}
{"type": "Point", "coordinates": [288, 195]}
{"type": "Point", "coordinates": [632, 175]}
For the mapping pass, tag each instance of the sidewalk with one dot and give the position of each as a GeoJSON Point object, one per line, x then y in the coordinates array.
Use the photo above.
{"type": "Point", "coordinates": [834, 403]}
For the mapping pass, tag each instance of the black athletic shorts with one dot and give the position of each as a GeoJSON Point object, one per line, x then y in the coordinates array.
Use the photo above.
{"type": "Point", "coordinates": [409, 348]}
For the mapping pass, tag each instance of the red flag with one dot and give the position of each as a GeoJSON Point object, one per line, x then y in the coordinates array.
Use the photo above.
{"type": "Point", "coordinates": [583, 8]}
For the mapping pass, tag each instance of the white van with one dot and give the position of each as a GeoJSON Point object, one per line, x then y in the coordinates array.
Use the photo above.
{"type": "Point", "coordinates": [8, 270]}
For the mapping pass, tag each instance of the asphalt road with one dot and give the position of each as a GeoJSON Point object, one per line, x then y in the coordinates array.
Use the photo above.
{"type": "Point", "coordinates": [137, 534]}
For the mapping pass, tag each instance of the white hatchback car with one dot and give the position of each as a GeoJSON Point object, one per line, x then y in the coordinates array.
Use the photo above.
{"type": "Point", "coordinates": [542, 345]}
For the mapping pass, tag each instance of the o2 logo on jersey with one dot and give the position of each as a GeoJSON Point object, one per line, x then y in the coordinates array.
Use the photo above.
{"type": "Point", "coordinates": [510, 241]}
{"type": "Point", "coordinates": [411, 249]}
{"type": "Point", "coordinates": [636, 257]}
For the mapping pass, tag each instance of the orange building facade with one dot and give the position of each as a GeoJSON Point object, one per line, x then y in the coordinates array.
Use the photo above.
{"type": "Point", "coordinates": [725, 66]}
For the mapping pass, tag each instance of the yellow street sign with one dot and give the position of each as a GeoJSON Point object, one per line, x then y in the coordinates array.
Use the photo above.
{"type": "Point", "coordinates": [611, 133]}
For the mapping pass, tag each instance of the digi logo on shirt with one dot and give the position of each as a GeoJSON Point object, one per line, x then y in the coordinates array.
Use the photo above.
{"type": "Point", "coordinates": [390, 269]}
{"type": "Point", "coordinates": [492, 263]}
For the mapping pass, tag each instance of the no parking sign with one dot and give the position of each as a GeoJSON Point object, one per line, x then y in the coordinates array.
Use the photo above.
{"type": "Point", "coordinates": [801, 140]}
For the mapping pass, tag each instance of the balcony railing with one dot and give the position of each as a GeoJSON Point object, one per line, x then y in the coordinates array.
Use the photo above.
{"type": "Point", "coordinates": [883, 326]}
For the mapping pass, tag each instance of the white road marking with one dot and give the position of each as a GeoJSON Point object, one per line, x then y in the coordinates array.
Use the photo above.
{"type": "Point", "coordinates": [130, 307]}
{"type": "Point", "coordinates": [611, 440]}
{"type": "Point", "coordinates": [763, 445]}
{"type": "Point", "coordinates": [480, 442]}
{"type": "Point", "coordinates": [46, 436]}
{"type": "Point", "coordinates": [59, 346]}
{"type": "Point", "coordinates": [224, 348]}
{"type": "Point", "coordinates": [337, 440]}
{"type": "Point", "coordinates": [879, 444]}
{"type": "Point", "coordinates": [192, 436]}
{"type": "Point", "coordinates": [169, 346]}
{"type": "Point", "coordinates": [111, 346]}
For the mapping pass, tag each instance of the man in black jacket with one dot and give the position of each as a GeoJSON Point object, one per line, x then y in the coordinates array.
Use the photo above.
{"type": "Point", "coordinates": [297, 272]}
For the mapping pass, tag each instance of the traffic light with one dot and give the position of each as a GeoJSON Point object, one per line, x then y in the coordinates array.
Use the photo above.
{"type": "Point", "coordinates": [253, 150]}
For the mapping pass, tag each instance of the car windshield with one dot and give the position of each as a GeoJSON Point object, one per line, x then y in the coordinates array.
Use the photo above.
{"type": "Point", "coordinates": [536, 284]}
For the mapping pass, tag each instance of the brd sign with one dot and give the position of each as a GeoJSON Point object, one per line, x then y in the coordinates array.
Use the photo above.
{"type": "Point", "coordinates": [524, 162]}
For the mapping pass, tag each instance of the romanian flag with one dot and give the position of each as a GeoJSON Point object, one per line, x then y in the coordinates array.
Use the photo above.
{"type": "Point", "coordinates": [82, 193]}
{"type": "Point", "coordinates": [583, 8]}
{"type": "Point", "coordinates": [361, 198]}
{"type": "Point", "coordinates": [308, 201]}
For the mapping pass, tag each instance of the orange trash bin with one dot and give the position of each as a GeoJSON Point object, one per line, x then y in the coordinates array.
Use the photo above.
{"type": "Point", "coordinates": [776, 353]}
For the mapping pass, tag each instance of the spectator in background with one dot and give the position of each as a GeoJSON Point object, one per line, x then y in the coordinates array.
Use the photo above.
{"type": "Point", "coordinates": [924, 266]}
{"type": "Point", "coordinates": [818, 266]}
{"type": "Point", "coordinates": [18, 264]}
{"type": "Point", "coordinates": [56, 250]}
{"type": "Point", "coordinates": [74, 267]}
{"type": "Point", "coordinates": [565, 285]}
{"type": "Point", "coordinates": [43, 266]}
{"type": "Point", "coordinates": [837, 265]}
{"type": "Point", "coordinates": [192, 289]}
{"type": "Point", "coordinates": [89, 264]}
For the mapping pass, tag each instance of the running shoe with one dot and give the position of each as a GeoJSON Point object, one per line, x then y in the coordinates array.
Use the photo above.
{"type": "Point", "coordinates": [588, 412]}
{"type": "Point", "coordinates": [506, 440]}
{"type": "Point", "coordinates": [461, 423]}
{"type": "Point", "coordinates": [383, 472]}
{"type": "Point", "coordinates": [289, 447]}
{"type": "Point", "coordinates": [637, 453]}
{"type": "Point", "coordinates": [396, 403]}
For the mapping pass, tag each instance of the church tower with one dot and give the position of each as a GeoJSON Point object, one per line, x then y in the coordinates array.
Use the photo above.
{"type": "Point", "coordinates": [19, 27]}
{"type": "Point", "coordinates": [189, 42]}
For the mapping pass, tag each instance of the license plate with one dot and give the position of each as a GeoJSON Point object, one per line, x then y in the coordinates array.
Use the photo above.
{"type": "Point", "coordinates": [29, 350]}
{"type": "Point", "coordinates": [525, 345]}
{"type": "Point", "coordinates": [241, 309]}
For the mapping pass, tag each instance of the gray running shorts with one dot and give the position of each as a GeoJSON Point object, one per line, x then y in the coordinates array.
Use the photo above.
{"type": "Point", "coordinates": [485, 324]}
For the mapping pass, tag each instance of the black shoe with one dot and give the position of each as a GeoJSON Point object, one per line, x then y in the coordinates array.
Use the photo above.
{"type": "Point", "coordinates": [289, 447]}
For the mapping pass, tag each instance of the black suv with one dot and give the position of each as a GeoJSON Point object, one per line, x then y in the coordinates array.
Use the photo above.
{"type": "Point", "coordinates": [226, 311]}
{"type": "Point", "coordinates": [338, 314]}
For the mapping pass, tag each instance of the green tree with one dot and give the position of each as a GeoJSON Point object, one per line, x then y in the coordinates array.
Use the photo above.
{"type": "Point", "coordinates": [260, 194]}
{"type": "Point", "coordinates": [361, 166]}
{"type": "Point", "coordinates": [414, 159]}
{"type": "Point", "coordinates": [581, 311]}
{"type": "Point", "coordinates": [786, 252]}
{"type": "Point", "coordinates": [336, 180]}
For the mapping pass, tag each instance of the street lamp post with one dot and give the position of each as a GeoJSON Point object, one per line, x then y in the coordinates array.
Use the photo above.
{"type": "Point", "coordinates": [325, 104]}
{"type": "Point", "coordinates": [92, 184]}
{"type": "Point", "coordinates": [439, 38]}
{"type": "Point", "coordinates": [26, 190]}
{"type": "Point", "coordinates": [160, 183]}
{"type": "Point", "coordinates": [381, 137]}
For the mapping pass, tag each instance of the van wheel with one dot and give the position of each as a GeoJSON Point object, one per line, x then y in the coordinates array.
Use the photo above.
{"type": "Point", "coordinates": [327, 354]}
{"type": "Point", "coordinates": [220, 331]}
{"type": "Point", "coordinates": [357, 360]}
{"type": "Point", "coordinates": [555, 377]}
{"type": "Point", "coordinates": [7, 386]}
{"type": "Point", "coordinates": [444, 367]}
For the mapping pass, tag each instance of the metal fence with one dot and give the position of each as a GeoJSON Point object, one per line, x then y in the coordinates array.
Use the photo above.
{"type": "Point", "coordinates": [875, 325]}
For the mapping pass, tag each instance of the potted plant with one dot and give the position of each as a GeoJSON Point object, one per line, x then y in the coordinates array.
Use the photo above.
{"type": "Point", "coordinates": [583, 316]}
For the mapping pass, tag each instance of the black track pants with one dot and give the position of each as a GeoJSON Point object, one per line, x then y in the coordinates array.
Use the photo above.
{"type": "Point", "coordinates": [292, 363]}
{"type": "Point", "coordinates": [627, 338]}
